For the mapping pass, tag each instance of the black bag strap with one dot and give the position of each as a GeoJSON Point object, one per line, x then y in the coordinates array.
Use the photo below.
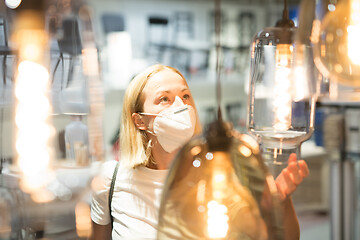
{"type": "Point", "coordinates": [111, 192]}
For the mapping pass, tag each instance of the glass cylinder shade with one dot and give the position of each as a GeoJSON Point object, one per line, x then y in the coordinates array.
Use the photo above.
{"type": "Point", "coordinates": [336, 42]}
{"type": "Point", "coordinates": [281, 100]}
{"type": "Point", "coordinates": [219, 188]}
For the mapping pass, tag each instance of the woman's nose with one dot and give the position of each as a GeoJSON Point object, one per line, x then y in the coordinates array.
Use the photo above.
{"type": "Point", "coordinates": [178, 102]}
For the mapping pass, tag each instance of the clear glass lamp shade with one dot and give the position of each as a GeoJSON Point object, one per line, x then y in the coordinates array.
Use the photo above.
{"type": "Point", "coordinates": [219, 188]}
{"type": "Point", "coordinates": [336, 43]}
{"type": "Point", "coordinates": [281, 100]}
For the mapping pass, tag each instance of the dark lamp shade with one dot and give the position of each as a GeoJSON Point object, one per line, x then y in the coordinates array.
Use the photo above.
{"type": "Point", "coordinates": [219, 188]}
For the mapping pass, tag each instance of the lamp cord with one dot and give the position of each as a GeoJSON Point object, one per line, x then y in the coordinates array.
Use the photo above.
{"type": "Point", "coordinates": [218, 55]}
{"type": "Point", "coordinates": [285, 11]}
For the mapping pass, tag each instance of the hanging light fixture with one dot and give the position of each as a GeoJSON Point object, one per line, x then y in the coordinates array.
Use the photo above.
{"type": "Point", "coordinates": [335, 38]}
{"type": "Point", "coordinates": [281, 97]}
{"type": "Point", "coordinates": [57, 187]}
{"type": "Point", "coordinates": [218, 186]}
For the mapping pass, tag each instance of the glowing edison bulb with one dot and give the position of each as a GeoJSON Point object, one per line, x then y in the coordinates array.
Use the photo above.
{"type": "Point", "coordinates": [282, 99]}
{"type": "Point", "coordinates": [33, 131]}
{"type": "Point", "coordinates": [217, 212]}
{"type": "Point", "coordinates": [217, 220]}
{"type": "Point", "coordinates": [32, 106]}
{"type": "Point", "coordinates": [354, 32]}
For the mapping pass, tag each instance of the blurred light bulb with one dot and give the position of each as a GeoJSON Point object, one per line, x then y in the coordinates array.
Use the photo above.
{"type": "Point", "coordinates": [33, 108]}
{"type": "Point", "coordinates": [354, 32]}
{"type": "Point", "coordinates": [217, 221]}
{"type": "Point", "coordinates": [49, 188]}
{"type": "Point", "coordinates": [336, 43]}
{"type": "Point", "coordinates": [12, 3]}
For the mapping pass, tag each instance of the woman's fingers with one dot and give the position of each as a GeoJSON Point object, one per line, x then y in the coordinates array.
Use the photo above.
{"type": "Point", "coordinates": [285, 184]}
{"type": "Point", "coordinates": [291, 176]}
{"type": "Point", "coordinates": [289, 183]}
{"type": "Point", "coordinates": [304, 169]}
{"type": "Point", "coordinates": [294, 173]}
{"type": "Point", "coordinates": [292, 158]}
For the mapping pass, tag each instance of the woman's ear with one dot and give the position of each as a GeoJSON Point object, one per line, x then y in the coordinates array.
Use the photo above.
{"type": "Point", "coordinates": [139, 121]}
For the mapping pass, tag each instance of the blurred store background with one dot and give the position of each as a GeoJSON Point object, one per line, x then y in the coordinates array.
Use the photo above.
{"type": "Point", "coordinates": [130, 35]}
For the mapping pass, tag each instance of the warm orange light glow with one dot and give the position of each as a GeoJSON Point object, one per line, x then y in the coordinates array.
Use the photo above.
{"type": "Point", "coordinates": [83, 219]}
{"type": "Point", "coordinates": [32, 110]}
{"type": "Point", "coordinates": [32, 106]}
{"type": "Point", "coordinates": [42, 195]}
{"type": "Point", "coordinates": [90, 61]}
{"type": "Point", "coordinates": [354, 32]}
{"type": "Point", "coordinates": [282, 99]}
{"type": "Point", "coordinates": [218, 219]}
{"type": "Point", "coordinates": [245, 151]}
{"type": "Point", "coordinates": [217, 213]}
{"type": "Point", "coordinates": [195, 150]}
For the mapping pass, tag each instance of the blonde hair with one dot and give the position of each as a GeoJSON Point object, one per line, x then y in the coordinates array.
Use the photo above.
{"type": "Point", "coordinates": [135, 146]}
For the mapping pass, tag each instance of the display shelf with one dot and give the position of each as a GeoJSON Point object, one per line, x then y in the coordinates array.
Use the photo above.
{"type": "Point", "coordinates": [349, 98]}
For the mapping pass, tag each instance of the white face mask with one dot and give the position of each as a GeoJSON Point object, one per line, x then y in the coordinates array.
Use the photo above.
{"type": "Point", "coordinates": [174, 126]}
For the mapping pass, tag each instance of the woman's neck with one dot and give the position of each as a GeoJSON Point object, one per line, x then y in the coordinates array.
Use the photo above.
{"type": "Point", "coordinates": [162, 159]}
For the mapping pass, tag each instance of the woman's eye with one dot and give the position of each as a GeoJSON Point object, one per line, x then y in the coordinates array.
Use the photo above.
{"type": "Point", "coordinates": [186, 96]}
{"type": "Point", "coordinates": [164, 99]}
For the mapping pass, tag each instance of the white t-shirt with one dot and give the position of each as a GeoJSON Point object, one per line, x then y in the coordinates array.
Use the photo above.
{"type": "Point", "coordinates": [135, 203]}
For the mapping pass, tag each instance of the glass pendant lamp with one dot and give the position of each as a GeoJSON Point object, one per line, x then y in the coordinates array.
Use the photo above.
{"type": "Point", "coordinates": [218, 187]}
{"type": "Point", "coordinates": [53, 188]}
{"type": "Point", "coordinates": [336, 42]}
{"type": "Point", "coordinates": [281, 101]}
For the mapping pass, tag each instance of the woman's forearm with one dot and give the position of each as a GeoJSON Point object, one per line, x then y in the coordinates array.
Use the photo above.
{"type": "Point", "coordinates": [102, 232]}
{"type": "Point", "coordinates": [291, 224]}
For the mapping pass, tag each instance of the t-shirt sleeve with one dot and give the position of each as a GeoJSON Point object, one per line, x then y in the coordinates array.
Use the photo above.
{"type": "Point", "coordinates": [99, 205]}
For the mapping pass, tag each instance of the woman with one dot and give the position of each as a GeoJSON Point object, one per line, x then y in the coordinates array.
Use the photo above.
{"type": "Point", "coordinates": [157, 107]}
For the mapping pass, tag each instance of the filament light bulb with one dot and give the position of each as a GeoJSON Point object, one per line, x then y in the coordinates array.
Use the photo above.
{"type": "Point", "coordinates": [217, 221]}
{"type": "Point", "coordinates": [282, 88]}
{"type": "Point", "coordinates": [282, 116]}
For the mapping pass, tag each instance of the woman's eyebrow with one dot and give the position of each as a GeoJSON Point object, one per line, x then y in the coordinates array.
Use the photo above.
{"type": "Point", "coordinates": [162, 91]}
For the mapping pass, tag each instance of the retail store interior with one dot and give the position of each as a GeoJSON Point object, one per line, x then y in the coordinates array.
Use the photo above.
{"type": "Point", "coordinates": [130, 35]}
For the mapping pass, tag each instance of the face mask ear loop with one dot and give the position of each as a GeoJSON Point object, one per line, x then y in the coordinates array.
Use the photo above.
{"type": "Point", "coordinates": [151, 132]}
{"type": "Point", "coordinates": [148, 114]}
{"type": "Point", "coordinates": [148, 150]}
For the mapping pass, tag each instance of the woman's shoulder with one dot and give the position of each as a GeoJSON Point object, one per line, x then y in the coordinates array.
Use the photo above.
{"type": "Point", "coordinates": [106, 173]}
{"type": "Point", "coordinates": [107, 168]}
